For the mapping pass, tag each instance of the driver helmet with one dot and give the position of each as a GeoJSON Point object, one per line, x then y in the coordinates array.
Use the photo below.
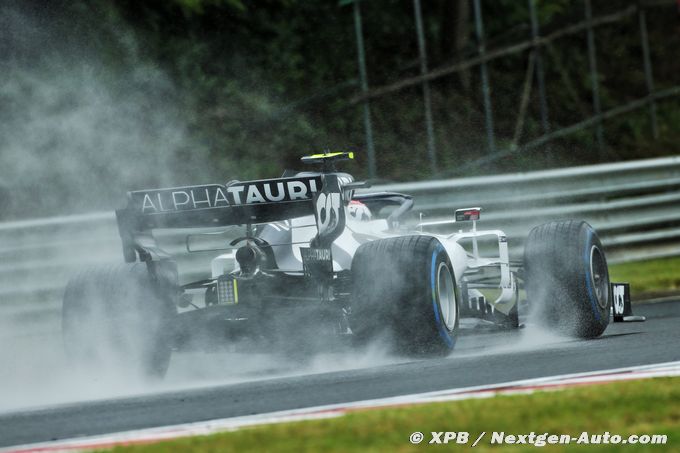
{"type": "Point", "coordinates": [359, 211]}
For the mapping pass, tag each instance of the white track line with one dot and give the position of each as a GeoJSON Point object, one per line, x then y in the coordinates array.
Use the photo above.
{"type": "Point", "coordinates": [336, 410]}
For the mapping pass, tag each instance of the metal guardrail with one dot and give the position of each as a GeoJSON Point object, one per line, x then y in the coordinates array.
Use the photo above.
{"type": "Point", "coordinates": [635, 206]}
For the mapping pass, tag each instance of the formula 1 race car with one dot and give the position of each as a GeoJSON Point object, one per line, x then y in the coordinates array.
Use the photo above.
{"type": "Point", "coordinates": [320, 259]}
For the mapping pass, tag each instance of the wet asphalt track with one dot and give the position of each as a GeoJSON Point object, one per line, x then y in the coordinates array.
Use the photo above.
{"type": "Point", "coordinates": [485, 358]}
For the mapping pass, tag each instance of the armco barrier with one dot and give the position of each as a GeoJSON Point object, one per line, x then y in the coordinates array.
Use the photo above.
{"type": "Point", "coordinates": [635, 206]}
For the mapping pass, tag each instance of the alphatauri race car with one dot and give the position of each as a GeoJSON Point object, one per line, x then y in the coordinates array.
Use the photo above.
{"type": "Point", "coordinates": [319, 259]}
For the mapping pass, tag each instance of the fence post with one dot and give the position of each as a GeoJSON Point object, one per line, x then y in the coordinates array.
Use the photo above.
{"type": "Point", "coordinates": [649, 79]}
{"type": "Point", "coordinates": [479, 30]}
{"type": "Point", "coordinates": [593, 78]}
{"type": "Point", "coordinates": [422, 56]}
{"type": "Point", "coordinates": [368, 128]}
{"type": "Point", "coordinates": [539, 68]}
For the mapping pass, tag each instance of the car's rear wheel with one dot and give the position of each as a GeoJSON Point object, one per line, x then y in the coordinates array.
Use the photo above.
{"type": "Point", "coordinates": [567, 278]}
{"type": "Point", "coordinates": [119, 320]}
{"type": "Point", "coordinates": [404, 290]}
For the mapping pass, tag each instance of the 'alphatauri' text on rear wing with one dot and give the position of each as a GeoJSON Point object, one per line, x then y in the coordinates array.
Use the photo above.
{"type": "Point", "coordinates": [213, 205]}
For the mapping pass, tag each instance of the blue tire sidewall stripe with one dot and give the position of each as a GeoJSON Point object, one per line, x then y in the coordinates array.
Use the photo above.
{"type": "Point", "coordinates": [443, 332]}
{"type": "Point", "coordinates": [589, 286]}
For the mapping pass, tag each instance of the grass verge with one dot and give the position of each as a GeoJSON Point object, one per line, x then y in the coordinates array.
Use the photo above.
{"type": "Point", "coordinates": [648, 278]}
{"type": "Point", "coordinates": [650, 406]}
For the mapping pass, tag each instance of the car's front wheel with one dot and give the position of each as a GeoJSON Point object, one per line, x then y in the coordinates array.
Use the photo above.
{"type": "Point", "coordinates": [567, 278]}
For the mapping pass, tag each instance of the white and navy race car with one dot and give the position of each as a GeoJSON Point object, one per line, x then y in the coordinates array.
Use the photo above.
{"type": "Point", "coordinates": [318, 260]}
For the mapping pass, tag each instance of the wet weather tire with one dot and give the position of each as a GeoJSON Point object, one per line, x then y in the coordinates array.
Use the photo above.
{"type": "Point", "coordinates": [119, 319]}
{"type": "Point", "coordinates": [404, 289]}
{"type": "Point", "coordinates": [567, 279]}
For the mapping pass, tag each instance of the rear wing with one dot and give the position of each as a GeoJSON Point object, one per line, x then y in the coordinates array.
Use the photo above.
{"type": "Point", "coordinates": [213, 205]}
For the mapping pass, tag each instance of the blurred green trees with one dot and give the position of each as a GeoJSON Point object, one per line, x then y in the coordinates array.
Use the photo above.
{"type": "Point", "coordinates": [261, 82]}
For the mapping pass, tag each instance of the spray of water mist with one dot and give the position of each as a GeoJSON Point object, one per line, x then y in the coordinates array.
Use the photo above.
{"type": "Point", "coordinates": [83, 118]}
